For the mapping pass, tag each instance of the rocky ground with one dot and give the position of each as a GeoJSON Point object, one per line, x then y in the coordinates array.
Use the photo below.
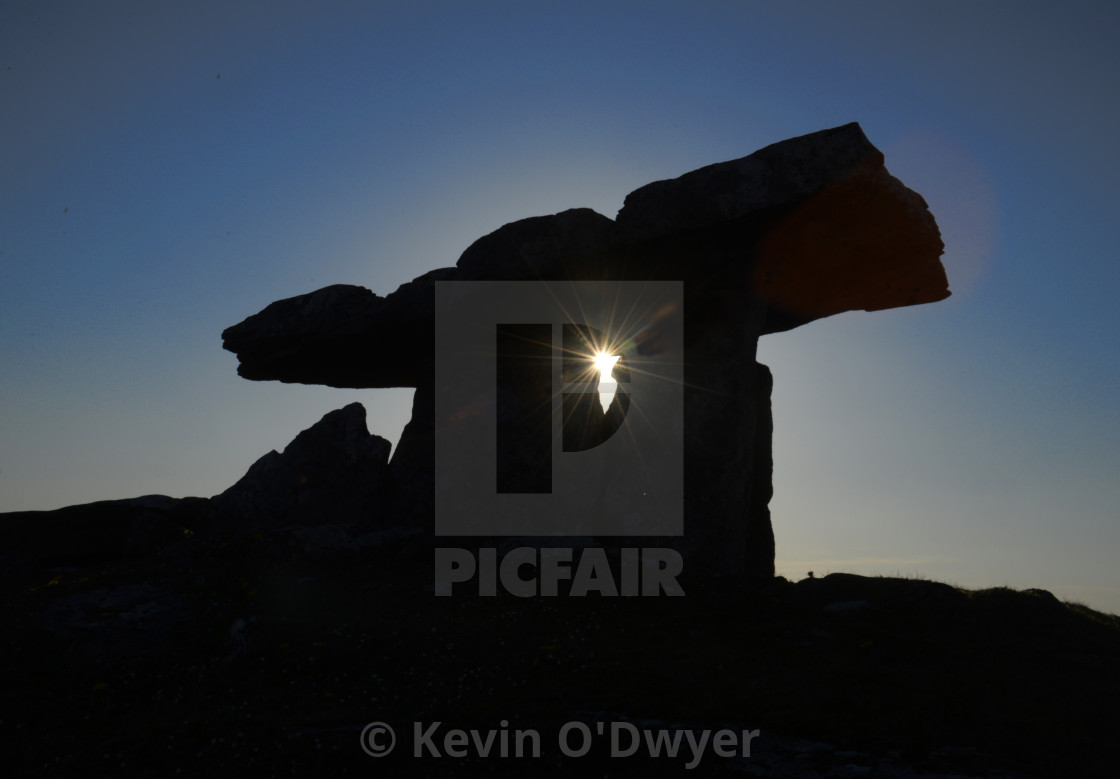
{"type": "Point", "coordinates": [269, 655]}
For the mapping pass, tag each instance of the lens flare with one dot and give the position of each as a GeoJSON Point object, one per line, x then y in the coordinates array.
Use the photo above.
{"type": "Point", "coordinates": [604, 363]}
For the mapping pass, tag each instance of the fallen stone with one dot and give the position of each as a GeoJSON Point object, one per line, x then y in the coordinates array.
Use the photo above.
{"type": "Point", "coordinates": [331, 474]}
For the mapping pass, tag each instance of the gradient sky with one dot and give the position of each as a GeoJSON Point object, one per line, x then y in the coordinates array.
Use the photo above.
{"type": "Point", "coordinates": [167, 169]}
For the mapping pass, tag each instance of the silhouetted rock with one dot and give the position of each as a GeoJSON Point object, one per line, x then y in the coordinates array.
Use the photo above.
{"type": "Point", "coordinates": [797, 231]}
{"type": "Point", "coordinates": [331, 474]}
{"type": "Point", "coordinates": [93, 533]}
{"type": "Point", "coordinates": [341, 336]}
{"type": "Point", "coordinates": [815, 225]}
{"type": "Point", "coordinates": [325, 493]}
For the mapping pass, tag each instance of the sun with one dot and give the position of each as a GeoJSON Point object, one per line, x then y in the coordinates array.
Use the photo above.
{"type": "Point", "coordinates": [604, 363]}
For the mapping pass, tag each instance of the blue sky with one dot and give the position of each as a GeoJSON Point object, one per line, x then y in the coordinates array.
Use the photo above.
{"type": "Point", "coordinates": [168, 169]}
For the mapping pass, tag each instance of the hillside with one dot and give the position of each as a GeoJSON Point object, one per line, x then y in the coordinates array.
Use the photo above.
{"type": "Point", "coordinates": [269, 655]}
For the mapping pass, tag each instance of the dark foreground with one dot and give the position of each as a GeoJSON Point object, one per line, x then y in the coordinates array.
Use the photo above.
{"type": "Point", "coordinates": [142, 668]}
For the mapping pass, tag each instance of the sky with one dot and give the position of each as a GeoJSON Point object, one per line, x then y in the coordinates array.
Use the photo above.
{"type": "Point", "coordinates": [168, 169]}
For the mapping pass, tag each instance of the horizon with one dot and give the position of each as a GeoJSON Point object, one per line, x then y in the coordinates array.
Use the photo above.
{"type": "Point", "coordinates": [170, 171]}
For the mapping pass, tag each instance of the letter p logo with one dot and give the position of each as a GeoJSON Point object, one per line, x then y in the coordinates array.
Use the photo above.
{"type": "Point", "coordinates": [593, 406]}
{"type": "Point", "coordinates": [559, 408]}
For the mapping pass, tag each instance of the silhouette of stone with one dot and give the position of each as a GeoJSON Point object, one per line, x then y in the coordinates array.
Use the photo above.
{"type": "Point", "coordinates": [340, 336]}
{"type": "Point", "coordinates": [800, 230]}
{"type": "Point", "coordinates": [328, 491]}
{"type": "Point", "coordinates": [332, 473]}
{"type": "Point", "coordinates": [99, 532]}
{"type": "Point", "coordinates": [815, 225]}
